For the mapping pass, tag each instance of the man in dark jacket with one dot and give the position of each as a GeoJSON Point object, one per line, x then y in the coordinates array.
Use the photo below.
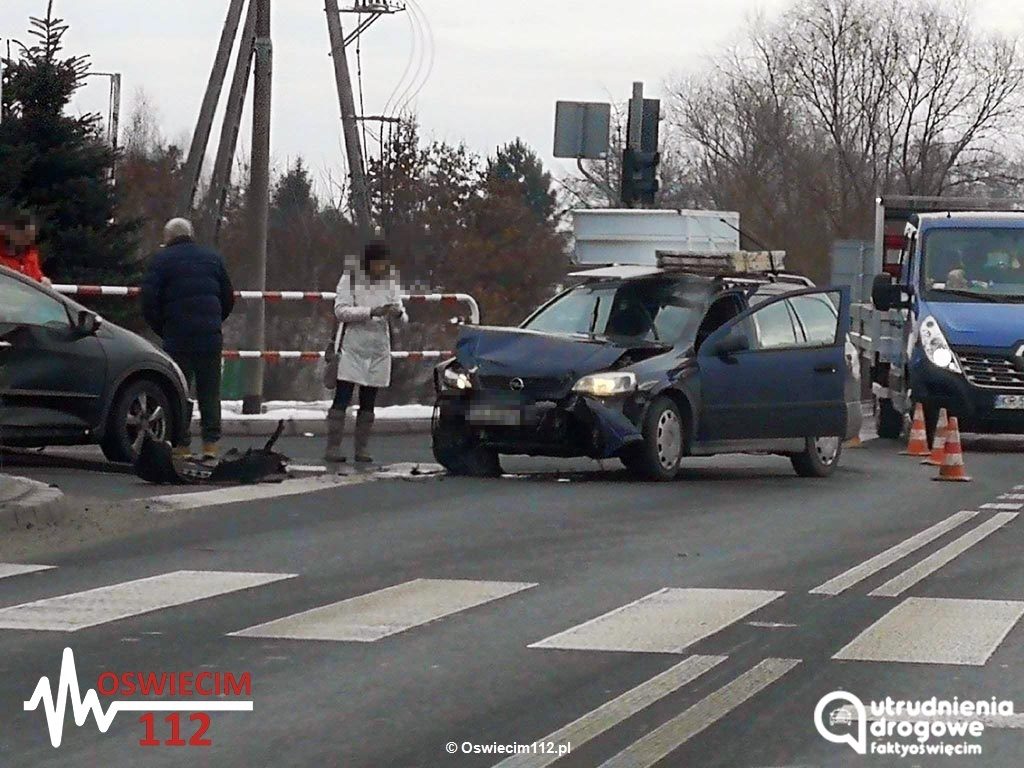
{"type": "Point", "coordinates": [186, 297]}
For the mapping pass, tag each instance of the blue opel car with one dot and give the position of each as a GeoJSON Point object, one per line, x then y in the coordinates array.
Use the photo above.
{"type": "Point", "coordinates": [650, 366]}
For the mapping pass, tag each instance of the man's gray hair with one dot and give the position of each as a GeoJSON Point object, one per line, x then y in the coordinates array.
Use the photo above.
{"type": "Point", "coordinates": [175, 229]}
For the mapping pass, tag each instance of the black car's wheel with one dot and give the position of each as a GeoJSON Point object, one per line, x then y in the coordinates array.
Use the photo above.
{"type": "Point", "coordinates": [140, 408]}
{"type": "Point", "coordinates": [457, 451]}
{"type": "Point", "coordinates": [890, 421]}
{"type": "Point", "coordinates": [820, 457]}
{"type": "Point", "coordinates": [664, 433]}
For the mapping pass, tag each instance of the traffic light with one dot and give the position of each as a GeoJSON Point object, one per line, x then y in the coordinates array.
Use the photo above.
{"type": "Point", "coordinates": [639, 177]}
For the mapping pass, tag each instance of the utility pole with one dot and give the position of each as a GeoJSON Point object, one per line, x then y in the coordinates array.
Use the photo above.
{"type": "Point", "coordinates": [209, 224]}
{"type": "Point", "coordinates": [349, 120]}
{"type": "Point", "coordinates": [201, 137]}
{"type": "Point", "coordinates": [259, 203]}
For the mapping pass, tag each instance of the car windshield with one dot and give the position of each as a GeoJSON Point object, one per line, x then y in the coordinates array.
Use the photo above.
{"type": "Point", "coordinates": [647, 310]}
{"type": "Point", "coordinates": [965, 264]}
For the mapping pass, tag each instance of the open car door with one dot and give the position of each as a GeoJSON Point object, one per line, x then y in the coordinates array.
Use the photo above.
{"type": "Point", "coordinates": [778, 370]}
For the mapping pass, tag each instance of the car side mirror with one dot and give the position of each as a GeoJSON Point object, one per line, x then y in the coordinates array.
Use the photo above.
{"type": "Point", "coordinates": [885, 294]}
{"type": "Point", "coordinates": [87, 323]}
{"type": "Point", "coordinates": [734, 341]}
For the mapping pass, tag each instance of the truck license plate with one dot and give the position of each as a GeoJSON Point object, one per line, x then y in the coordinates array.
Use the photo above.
{"type": "Point", "coordinates": [1010, 402]}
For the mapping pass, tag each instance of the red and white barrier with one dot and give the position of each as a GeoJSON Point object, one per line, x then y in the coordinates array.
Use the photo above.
{"type": "Point", "coordinates": [309, 357]}
{"type": "Point", "coordinates": [132, 291]}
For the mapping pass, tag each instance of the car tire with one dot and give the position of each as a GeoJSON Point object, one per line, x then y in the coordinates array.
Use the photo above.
{"type": "Point", "coordinates": [664, 441]}
{"type": "Point", "coordinates": [457, 451]}
{"type": "Point", "coordinates": [140, 406]}
{"type": "Point", "coordinates": [820, 458]}
{"type": "Point", "coordinates": [890, 421]}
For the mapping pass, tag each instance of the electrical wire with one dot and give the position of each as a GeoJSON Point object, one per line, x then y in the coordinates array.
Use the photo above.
{"type": "Point", "coordinates": [428, 34]}
{"type": "Point", "coordinates": [414, 36]}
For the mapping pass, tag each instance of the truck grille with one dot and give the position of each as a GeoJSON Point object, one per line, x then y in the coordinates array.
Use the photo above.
{"type": "Point", "coordinates": [992, 371]}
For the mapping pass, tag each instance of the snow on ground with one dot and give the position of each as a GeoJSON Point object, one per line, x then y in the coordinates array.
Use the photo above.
{"type": "Point", "coordinates": [275, 410]}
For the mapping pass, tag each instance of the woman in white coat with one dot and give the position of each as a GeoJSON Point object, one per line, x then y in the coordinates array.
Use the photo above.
{"type": "Point", "coordinates": [368, 300]}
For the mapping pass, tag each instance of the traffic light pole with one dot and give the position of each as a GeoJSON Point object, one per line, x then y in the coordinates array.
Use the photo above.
{"type": "Point", "coordinates": [640, 159]}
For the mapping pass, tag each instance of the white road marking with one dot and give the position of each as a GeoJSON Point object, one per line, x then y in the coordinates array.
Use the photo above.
{"type": "Point", "coordinates": [386, 612]}
{"type": "Point", "coordinates": [78, 610]}
{"type": "Point", "coordinates": [241, 493]}
{"type": "Point", "coordinates": [923, 630]}
{"type": "Point", "coordinates": [667, 621]}
{"type": "Point", "coordinates": [618, 710]}
{"type": "Point", "coordinates": [904, 581]}
{"type": "Point", "coordinates": [770, 625]}
{"type": "Point", "coordinates": [858, 573]}
{"type": "Point", "coordinates": [1012, 496]}
{"type": "Point", "coordinates": [1009, 507]}
{"type": "Point", "coordinates": [16, 569]}
{"type": "Point", "coordinates": [1014, 722]}
{"type": "Point", "coordinates": [664, 740]}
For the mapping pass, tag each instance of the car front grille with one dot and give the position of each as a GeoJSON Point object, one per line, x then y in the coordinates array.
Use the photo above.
{"type": "Point", "coordinates": [992, 370]}
{"type": "Point", "coordinates": [536, 388]}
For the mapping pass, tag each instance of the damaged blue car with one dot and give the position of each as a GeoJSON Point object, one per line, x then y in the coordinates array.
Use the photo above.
{"type": "Point", "coordinates": [650, 366]}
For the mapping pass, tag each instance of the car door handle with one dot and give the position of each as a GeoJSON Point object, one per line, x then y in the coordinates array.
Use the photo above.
{"type": "Point", "coordinates": [824, 369]}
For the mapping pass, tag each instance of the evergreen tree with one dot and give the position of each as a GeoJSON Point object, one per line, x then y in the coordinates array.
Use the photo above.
{"type": "Point", "coordinates": [58, 167]}
{"type": "Point", "coordinates": [517, 165]}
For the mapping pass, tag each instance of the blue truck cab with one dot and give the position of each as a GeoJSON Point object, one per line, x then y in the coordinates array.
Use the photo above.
{"type": "Point", "coordinates": [954, 308]}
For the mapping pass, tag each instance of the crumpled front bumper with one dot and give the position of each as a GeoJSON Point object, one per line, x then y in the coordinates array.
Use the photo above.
{"type": "Point", "coordinates": [577, 425]}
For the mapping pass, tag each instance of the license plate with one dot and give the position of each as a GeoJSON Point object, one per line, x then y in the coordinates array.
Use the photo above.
{"type": "Point", "coordinates": [1010, 402]}
{"type": "Point", "coordinates": [495, 417]}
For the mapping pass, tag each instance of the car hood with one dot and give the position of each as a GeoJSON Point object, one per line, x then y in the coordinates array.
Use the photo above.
{"type": "Point", "coordinates": [529, 354]}
{"type": "Point", "coordinates": [981, 324]}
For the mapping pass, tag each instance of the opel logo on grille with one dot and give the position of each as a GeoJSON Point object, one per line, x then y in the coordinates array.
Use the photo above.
{"type": "Point", "coordinates": [516, 385]}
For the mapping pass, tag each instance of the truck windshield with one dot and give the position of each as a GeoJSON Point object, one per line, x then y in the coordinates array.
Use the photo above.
{"type": "Point", "coordinates": [642, 310]}
{"type": "Point", "coordinates": [979, 263]}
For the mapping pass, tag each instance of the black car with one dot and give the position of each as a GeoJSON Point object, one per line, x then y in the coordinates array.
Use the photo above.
{"type": "Point", "coordinates": [68, 378]}
{"type": "Point", "coordinates": [649, 366]}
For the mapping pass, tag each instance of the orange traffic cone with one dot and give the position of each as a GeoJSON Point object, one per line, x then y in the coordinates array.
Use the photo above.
{"type": "Point", "coordinates": [939, 443]}
{"type": "Point", "coordinates": [952, 469]}
{"type": "Point", "coordinates": [918, 443]}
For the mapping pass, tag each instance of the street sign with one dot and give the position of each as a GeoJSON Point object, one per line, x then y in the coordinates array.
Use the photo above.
{"type": "Point", "coordinates": [582, 129]}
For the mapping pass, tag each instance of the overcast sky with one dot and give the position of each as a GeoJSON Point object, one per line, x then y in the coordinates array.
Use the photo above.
{"type": "Point", "coordinates": [498, 65]}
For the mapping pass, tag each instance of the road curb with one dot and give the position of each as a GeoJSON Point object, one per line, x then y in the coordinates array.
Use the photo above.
{"type": "Point", "coordinates": [264, 427]}
{"type": "Point", "coordinates": [25, 503]}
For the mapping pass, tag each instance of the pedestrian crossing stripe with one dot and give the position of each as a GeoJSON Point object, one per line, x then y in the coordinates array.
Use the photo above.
{"type": "Point", "coordinates": [904, 581]}
{"type": "Point", "coordinates": [868, 568]}
{"type": "Point", "coordinates": [666, 621]}
{"type": "Point", "coordinates": [16, 569]}
{"type": "Point", "coordinates": [667, 738]}
{"type": "Point", "coordinates": [617, 710]}
{"type": "Point", "coordinates": [936, 631]}
{"type": "Point", "coordinates": [79, 610]}
{"type": "Point", "coordinates": [374, 616]}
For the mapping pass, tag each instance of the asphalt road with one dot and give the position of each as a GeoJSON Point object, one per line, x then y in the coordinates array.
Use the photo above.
{"type": "Point", "coordinates": [725, 659]}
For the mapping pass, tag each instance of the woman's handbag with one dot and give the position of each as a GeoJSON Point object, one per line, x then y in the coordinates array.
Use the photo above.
{"type": "Point", "coordinates": [331, 354]}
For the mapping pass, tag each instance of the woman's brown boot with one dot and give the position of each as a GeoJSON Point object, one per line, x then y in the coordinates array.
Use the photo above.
{"type": "Point", "coordinates": [335, 433]}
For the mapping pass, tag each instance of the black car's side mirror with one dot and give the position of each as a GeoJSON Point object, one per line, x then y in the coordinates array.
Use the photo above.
{"type": "Point", "coordinates": [734, 341]}
{"type": "Point", "coordinates": [87, 323]}
{"type": "Point", "coordinates": [885, 294]}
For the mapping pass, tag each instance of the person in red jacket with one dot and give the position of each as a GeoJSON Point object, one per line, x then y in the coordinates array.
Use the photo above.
{"type": "Point", "coordinates": [18, 250]}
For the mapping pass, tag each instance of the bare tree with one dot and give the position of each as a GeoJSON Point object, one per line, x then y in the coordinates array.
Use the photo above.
{"type": "Point", "coordinates": [811, 115]}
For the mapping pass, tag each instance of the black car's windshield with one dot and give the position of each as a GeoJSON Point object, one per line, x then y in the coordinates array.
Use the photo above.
{"type": "Point", "coordinates": [974, 264]}
{"type": "Point", "coordinates": [643, 310]}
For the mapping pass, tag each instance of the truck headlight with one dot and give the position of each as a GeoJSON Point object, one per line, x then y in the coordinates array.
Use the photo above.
{"type": "Point", "coordinates": [936, 348]}
{"type": "Point", "coordinates": [606, 384]}
{"type": "Point", "coordinates": [454, 378]}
